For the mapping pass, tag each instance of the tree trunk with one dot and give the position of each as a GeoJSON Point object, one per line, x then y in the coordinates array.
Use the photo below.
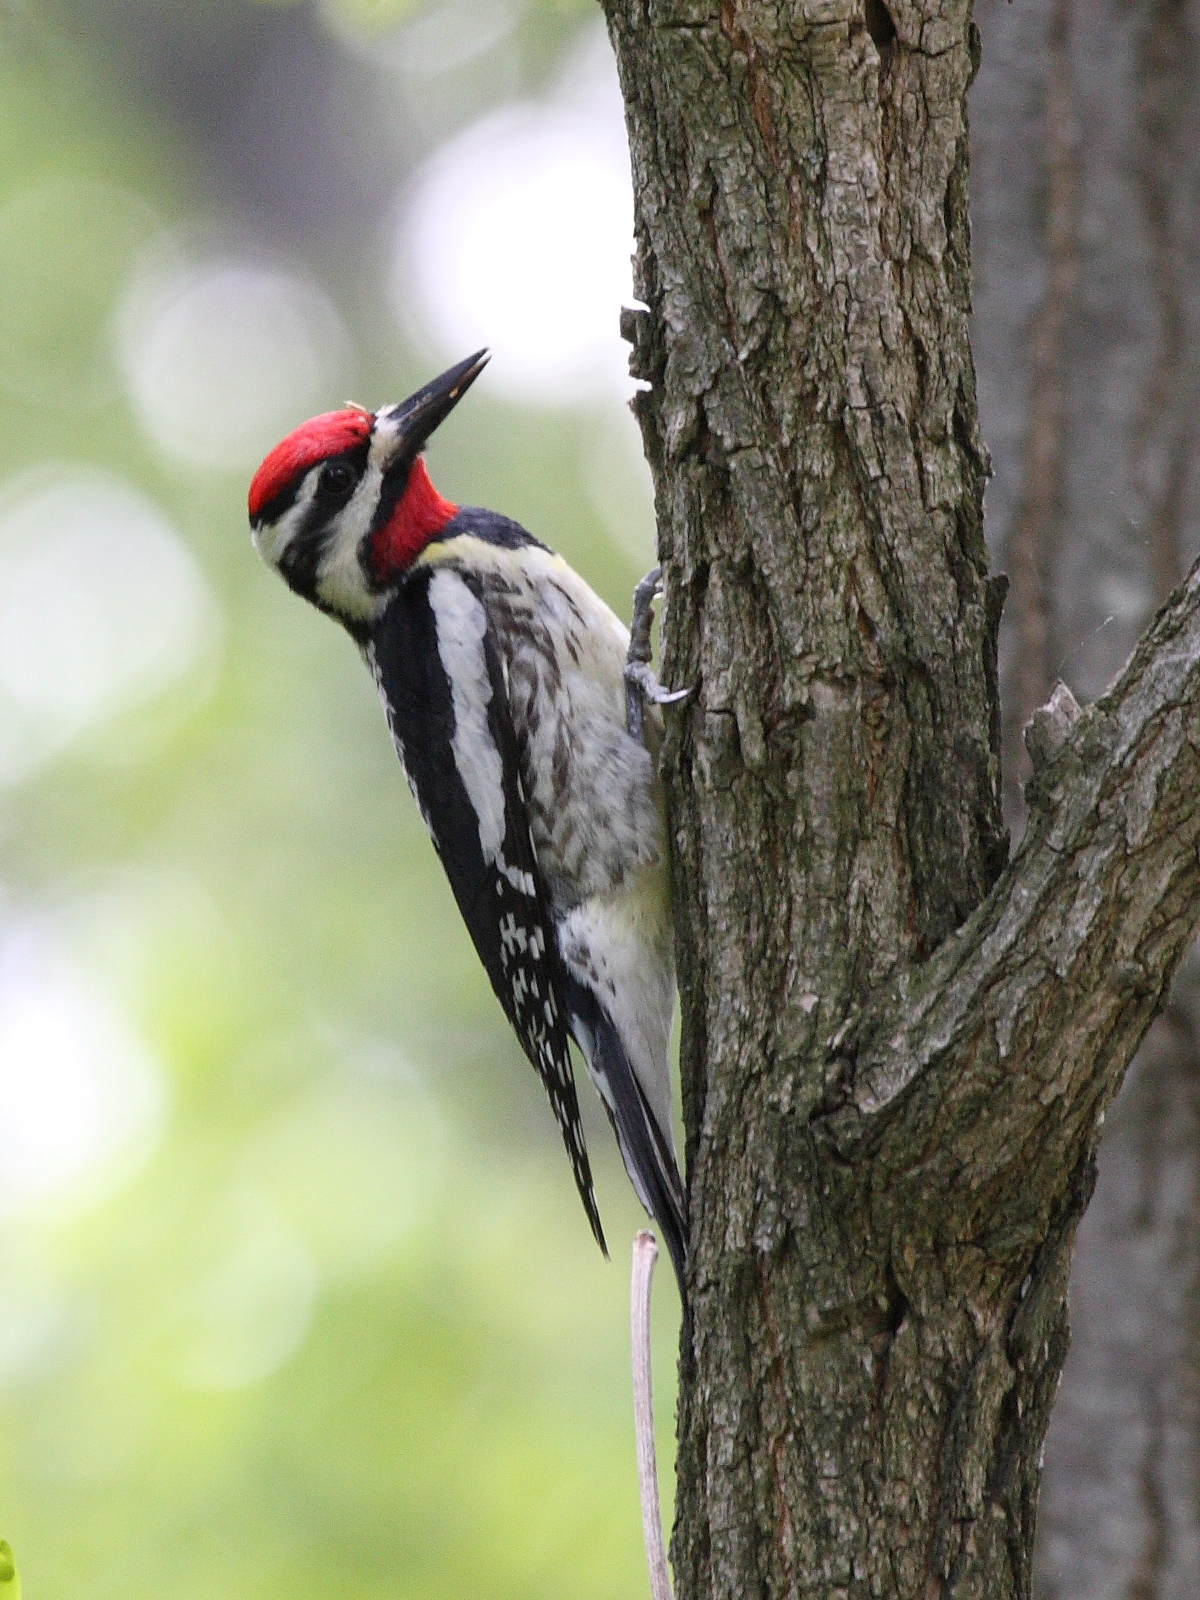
{"type": "Point", "coordinates": [1086, 210]}
{"type": "Point", "coordinates": [896, 1051]}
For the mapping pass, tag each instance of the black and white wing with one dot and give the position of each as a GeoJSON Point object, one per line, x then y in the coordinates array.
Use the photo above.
{"type": "Point", "coordinates": [443, 689]}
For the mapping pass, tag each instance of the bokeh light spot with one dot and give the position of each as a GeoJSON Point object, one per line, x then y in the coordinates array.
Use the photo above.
{"type": "Point", "coordinates": [518, 235]}
{"type": "Point", "coordinates": [354, 1167]}
{"type": "Point", "coordinates": [224, 357]}
{"type": "Point", "coordinates": [83, 1102]}
{"type": "Point", "coordinates": [368, 19]}
{"type": "Point", "coordinates": [250, 1306]}
{"type": "Point", "coordinates": [102, 606]}
{"type": "Point", "coordinates": [441, 39]}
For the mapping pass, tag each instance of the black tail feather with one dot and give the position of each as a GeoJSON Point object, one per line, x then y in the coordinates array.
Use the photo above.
{"type": "Point", "coordinates": [645, 1147]}
{"type": "Point", "coordinates": [571, 1129]}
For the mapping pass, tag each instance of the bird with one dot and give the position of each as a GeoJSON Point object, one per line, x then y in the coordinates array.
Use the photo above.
{"type": "Point", "coordinates": [503, 678]}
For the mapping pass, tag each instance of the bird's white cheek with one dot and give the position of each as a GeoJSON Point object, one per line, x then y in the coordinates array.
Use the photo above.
{"type": "Point", "coordinates": [272, 541]}
{"type": "Point", "coordinates": [265, 545]}
{"type": "Point", "coordinates": [342, 583]}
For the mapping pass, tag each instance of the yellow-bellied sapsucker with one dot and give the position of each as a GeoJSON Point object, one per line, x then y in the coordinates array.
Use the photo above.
{"type": "Point", "coordinates": [503, 677]}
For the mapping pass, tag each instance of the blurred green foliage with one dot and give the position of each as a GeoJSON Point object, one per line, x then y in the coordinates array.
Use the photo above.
{"type": "Point", "coordinates": [340, 1328]}
{"type": "Point", "coordinates": [10, 1578]}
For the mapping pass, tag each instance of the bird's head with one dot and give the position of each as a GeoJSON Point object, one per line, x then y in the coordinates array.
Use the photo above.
{"type": "Point", "coordinates": [344, 506]}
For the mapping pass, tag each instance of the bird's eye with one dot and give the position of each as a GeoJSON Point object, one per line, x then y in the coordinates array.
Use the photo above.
{"type": "Point", "coordinates": [337, 479]}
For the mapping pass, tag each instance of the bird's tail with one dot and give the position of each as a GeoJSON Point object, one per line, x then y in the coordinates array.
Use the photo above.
{"type": "Point", "coordinates": [646, 1148]}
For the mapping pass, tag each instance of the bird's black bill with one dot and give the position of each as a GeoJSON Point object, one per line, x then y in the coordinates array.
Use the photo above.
{"type": "Point", "coordinates": [424, 411]}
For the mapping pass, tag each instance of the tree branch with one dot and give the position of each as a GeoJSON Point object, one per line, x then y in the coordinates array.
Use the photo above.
{"type": "Point", "coordinates": [1001, 1053]}
{"type": "Point", "coordinates": [880, 1232]}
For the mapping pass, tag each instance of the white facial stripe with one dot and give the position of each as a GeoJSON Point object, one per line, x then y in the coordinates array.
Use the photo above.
{"type": "Point", "coordinates": [384, 439]}
{"type": "Point", "coordinates": [341, 582]}
{"type": "Point", "coordinates": [271, 541]}
{"type": "Point", "coordinates": [461, 625]}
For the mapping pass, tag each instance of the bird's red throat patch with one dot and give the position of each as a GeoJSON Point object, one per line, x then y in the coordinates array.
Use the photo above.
{"type": "Point", "coordinates": [420, 515]}
{"type": "Point", "coordinates": [326, 435]}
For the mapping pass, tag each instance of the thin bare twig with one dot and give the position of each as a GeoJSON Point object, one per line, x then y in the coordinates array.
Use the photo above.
{"type": "Point", "coordinates": [645, 1254]}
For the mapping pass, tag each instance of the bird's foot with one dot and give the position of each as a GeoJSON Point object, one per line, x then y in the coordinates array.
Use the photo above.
{"type": "Point", "coordinates": [644, 596]}
{"type": "Point", "coordinates": [641, 685]}
{"type": "Point", "coordinates": [638, 673]}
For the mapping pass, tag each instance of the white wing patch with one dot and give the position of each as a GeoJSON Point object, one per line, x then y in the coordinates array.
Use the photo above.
{"type": "Point", "coordinates": [461, 625]}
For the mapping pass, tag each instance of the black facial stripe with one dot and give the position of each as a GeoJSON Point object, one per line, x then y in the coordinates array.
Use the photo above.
{"type": "Point", "coordinates": [283, 501]}
{"type": "Point", "coordinates": [301, 560]}
{"type": "Point", "coordinates": [286, 498]}
{"type": "Point", "coordinates": [300, 565]}
{"type": "Point", "coordinates": [395, 481]}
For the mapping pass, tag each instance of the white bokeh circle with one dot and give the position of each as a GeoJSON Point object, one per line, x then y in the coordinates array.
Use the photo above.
{"type": "Point", "coordinates": [518, 235]}
{"type": "Point", "coordinates": [427, 41]}
{"type": "Point", "coordinates": [84, 1103]}
{"type": "Point", "coordinates": [102, 607]}
{"type": "Point", "coordinates": [224, 356]}
{"type": "Point", "coordinates": [247, 1310]}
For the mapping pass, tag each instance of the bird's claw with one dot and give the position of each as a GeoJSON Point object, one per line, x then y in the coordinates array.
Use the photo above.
{"type": "Point", "coordinates": [642, 621]}
{"type": "Point", "coordinates": [641, 685]}
{"type": "Point", "coordinates": [640, 674]}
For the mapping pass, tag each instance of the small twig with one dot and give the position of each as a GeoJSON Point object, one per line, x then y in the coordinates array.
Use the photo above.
{"type": "Point", "coordinates": [645, 1254]}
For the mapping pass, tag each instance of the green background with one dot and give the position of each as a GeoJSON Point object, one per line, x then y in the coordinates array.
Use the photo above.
{"type": "Point", "coordinates": [340, 1328]}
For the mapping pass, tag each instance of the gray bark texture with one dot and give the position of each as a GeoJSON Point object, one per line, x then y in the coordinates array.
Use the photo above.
{"type": "Point", "coordinates": [897, 1046]}
{"type": "Point", "coordinates": [1085, 196]}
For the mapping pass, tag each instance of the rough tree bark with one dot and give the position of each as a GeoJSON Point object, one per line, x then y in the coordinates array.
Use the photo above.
{"type": "Point", "coordinates": [1097, 235]}
{"type": "Point", "coordinates": [897, 1050]}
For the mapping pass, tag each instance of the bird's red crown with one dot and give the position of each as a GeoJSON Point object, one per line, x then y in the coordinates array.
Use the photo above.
{"type": "Point", "coordinates": [326, 435]}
